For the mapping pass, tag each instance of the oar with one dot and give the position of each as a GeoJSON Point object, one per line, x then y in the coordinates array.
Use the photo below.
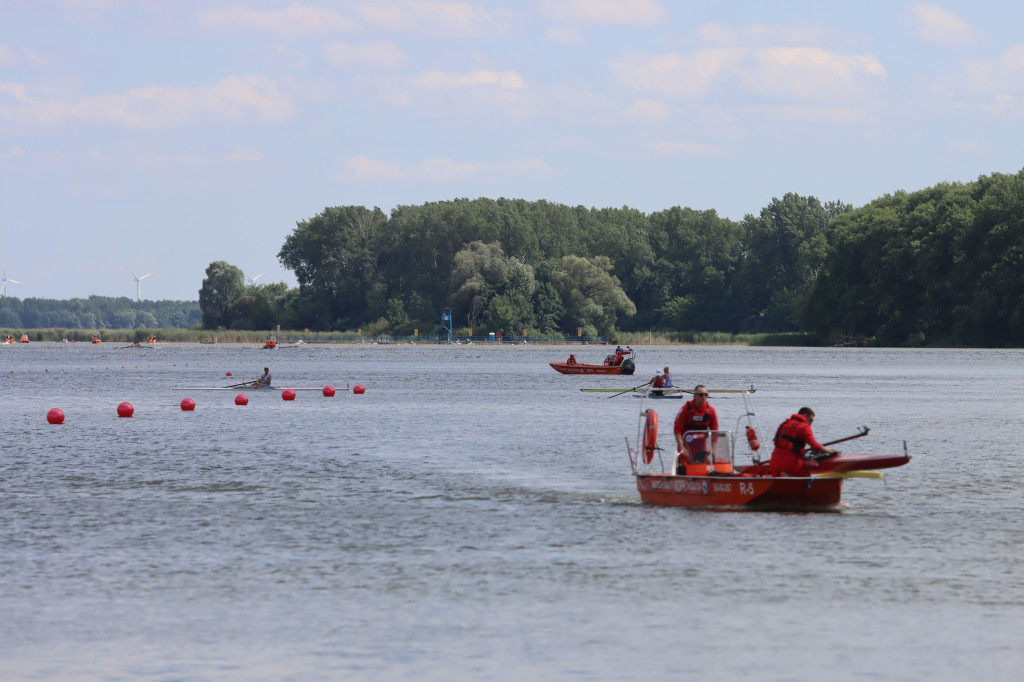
{"type": "Point", "coordinates": [863, 433]}
{"type": "Point", "coordinates": [632, 389]}
{"type": "Point", "coordinates": [817, 457]}
{"type": "Point", "coordinates": [244, 383]}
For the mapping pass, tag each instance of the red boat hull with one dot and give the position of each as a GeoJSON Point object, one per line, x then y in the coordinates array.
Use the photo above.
{"type": "Point", "coordinates": [838, 464]}
{"type": "Point", "coordinates": [750, 492]}
{"type": "Point", "coordinates": [566, 368]}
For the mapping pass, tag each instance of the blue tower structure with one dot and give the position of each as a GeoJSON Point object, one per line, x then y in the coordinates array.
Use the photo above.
{"type": "Point", "coordinates": [446, 325]}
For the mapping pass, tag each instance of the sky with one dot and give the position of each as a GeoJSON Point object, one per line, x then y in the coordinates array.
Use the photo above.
{"type": "Point", "coordinates": [153, 136]}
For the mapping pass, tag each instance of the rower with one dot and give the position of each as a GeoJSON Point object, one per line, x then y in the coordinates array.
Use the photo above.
{"type": "Point", "coordinates": [263, 381]}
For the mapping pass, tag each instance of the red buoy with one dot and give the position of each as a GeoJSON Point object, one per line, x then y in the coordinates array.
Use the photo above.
{"type": "Point", "coordinates": [359, 389]}
{"type": "Point", "coordinates": [287, 394]}
{"type": "Point", "coordinates": [125, 409]}
{"type": "Point", "coordinates": [228, 374]}
{"type": "Point", "coordinates": [241, 399]}
{"type": "Point", "coordinates": [188, 404]}
{"type": "Point", "coordinates": [752, 438]}
{"type": "Point", "coordinates": [328, 391]}
{"type": "Point", "coordinates": [55, 416]}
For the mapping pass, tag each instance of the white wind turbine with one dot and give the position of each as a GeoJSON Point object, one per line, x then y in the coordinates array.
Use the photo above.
{"type": "Point", "coordinates": [252, 280]}
{"type": "Point", "coordinates": [138, 283]}
{"type": "Point", "coordinates": [5, 280]}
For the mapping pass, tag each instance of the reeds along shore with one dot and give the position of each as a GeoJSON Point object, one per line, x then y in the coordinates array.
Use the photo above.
{"type": "Point", "coordinates": [291, 336]}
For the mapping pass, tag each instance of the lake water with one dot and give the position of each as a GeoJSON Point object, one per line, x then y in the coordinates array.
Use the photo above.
{"type": "Point", "coordinates": [472, 516]}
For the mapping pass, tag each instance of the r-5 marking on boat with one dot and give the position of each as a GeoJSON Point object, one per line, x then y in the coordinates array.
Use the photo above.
{"type": "Point", "coordinates": [746, 488]}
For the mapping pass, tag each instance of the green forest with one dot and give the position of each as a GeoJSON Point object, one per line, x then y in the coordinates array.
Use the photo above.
{"type": "Point", "coordinates": [939, 266]}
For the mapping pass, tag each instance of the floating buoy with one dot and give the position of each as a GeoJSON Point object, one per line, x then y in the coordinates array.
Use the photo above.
{"type": "Point", "coordinates": [125, 409]}
{"type": "Point", "coordinates": [359, 389]}
{"type": "Point", "coordinates": [329, 391]}
{"type": "Point", "coordinates": [241, 399]}
{"type": "Point", "coordinates": [228, 374]}
{"type": "Point", "coordinates": [188, 404]}
{"type": "Point", "coordinates": [287, 394]}
{"type": "Point", "coordinates": [55, 416]}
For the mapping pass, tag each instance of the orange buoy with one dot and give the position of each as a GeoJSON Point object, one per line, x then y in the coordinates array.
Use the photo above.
{"type": "Point", "coordinates": [241, 399]}
{"type": "Point", "coordinates": [359, 389]}
{"type": "Point", "coordinates": [188, 404]}
{"type": "Point", "coordinates": [125, 409]}
{"type": "Point", "coordinates": [287, 394]}
{"type": "Point", "coordinates": [650, 435]}
{"type": "Point", "coordinates": [752, 438]}
{"type": "Point", "coordinates": [55, 416]}
{"type": "Point", "coordinates": [329, 391]}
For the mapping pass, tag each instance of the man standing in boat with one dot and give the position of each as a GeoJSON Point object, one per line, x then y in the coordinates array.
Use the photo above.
{"type": "Point", "coordinates": [792, 436]}
{"type": "Point", "coordinates": [695, 415]}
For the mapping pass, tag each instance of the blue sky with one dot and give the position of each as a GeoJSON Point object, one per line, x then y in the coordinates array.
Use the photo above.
{"type": "Point", "coordinates": [163, 135]}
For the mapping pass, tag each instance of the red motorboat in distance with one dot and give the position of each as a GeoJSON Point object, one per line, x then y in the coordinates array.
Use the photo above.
{"type": "Point", "coordinates": [622, 361]}
{"type": "Point", "coordinates": [710, 476]}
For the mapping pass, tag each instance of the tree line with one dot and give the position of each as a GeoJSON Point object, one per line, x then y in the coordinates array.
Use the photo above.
{"type": "Point", "coordinates": [939, 266]}
{"type": "Point", "coordinates": [97, 312]}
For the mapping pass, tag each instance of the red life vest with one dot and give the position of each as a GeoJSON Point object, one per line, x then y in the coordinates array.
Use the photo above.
{"type": "Point", "coordinates": [787, 437]}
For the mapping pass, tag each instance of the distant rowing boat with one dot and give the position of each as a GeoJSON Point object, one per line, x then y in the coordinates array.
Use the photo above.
{"type": "Point", "coordinates": [245, 388]}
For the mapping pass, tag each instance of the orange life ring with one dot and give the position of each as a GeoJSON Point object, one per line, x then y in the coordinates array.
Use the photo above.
{"type": "Point", "coordinates": [650, 435]}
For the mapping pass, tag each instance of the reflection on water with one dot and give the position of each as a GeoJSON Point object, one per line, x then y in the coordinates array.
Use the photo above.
{"type": "Point", "coordinates": [473, 516]}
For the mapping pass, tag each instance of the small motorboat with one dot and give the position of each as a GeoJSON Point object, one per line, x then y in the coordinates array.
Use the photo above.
{"type": "Point", "coordinates": [623, 361]}
{"type": "Point", "coordinates": [710, 474]}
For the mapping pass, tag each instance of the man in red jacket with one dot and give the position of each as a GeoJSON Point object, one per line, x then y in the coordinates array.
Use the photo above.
{"type": "Point", "coordinates": [695, 415]}
{"type": "Point", "coordinates": [792, 436]}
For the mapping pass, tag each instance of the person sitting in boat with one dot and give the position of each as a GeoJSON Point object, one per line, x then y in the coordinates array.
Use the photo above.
{"type": "Point", "coordinates": [657, 383]}
{"type": "Point", "coordinates": [618, 356]}
{"type": "Point", "coordinates": [695, 415]}
{"type": "Point", "coordinates": [571, 360]}
{"type": "Point", "coordinates": [667, 376]}
{"type": "Point", "coordinates": [263, 381]}
{"type": "Point", "coordinates": [792, 436]}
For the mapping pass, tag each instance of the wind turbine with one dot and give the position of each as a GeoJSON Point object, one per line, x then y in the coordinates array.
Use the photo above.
{"type": "Point", "coordinates": [5, 280]}
{"type": "Point", "coordinates": [252, 280]}
{"type": "Point", "coordinates": [138, 283]}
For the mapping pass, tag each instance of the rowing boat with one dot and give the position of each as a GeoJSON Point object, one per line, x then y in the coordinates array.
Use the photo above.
{"type": "Point", "coordinates": [710, 476]}
{"type": "Point", "coordinates": [244, 388]}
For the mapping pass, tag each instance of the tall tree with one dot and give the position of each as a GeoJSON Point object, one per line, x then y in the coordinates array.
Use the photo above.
{"type": "Point", "coordinates": [222, 288]}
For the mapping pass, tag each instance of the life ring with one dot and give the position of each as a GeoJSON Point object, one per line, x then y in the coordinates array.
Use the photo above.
{"type": "Point", "coordinates": [650, 435]}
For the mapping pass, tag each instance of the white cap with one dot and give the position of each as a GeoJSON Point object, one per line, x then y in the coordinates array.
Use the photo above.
{"type": "Point", "coordinates": [658, 373]}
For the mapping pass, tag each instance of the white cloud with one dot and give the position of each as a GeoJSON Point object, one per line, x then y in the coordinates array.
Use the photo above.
{"type": "Point", "coordinates": [383, 55]}
{"type": "Point", "coordinates": [646, 111]}
{"type": "Point", "coordinates": [687, 149]}
{"type": "Point", "coordinates": [993, 84]}
{"type": "Point", "coordinates": [439, 80]}
{"type": "Point", "coordinates": [564, 34]}
{"type": "Point", "coordinates": [231, 99]}
{"type": "Point", "coordinates": [761, 35]}
{"type": "Point", "coordinates": [616, 12]}
{"type": "Point", "coordinates": [447, 18]}
{"type": "Point", "coordinates": [291, 21]}
{"type": "Point", "coordinates": [778, 73]}
{"type": "Point", "coordinates": [441, 171]}
{"type": "Point", "coordinates": [940, 27]}
{"type": "Point", "coordinates": [7, 57]}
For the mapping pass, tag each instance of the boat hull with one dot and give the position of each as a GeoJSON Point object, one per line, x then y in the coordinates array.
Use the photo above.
{"type": "Point", "coordinates": [749, 492]}
{"type": "Point", "coordinates": [566, 368]}
{"type": "Point", "coordinates": [837, 464]}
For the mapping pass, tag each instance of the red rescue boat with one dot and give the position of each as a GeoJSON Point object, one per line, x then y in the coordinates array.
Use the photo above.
{"type": "Point", "coordinates": [622, 361]}
{"type": "Point", "coordinates": [710, 476]}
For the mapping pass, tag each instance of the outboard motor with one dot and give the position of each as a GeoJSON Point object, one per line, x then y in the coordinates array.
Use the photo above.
{"type": "Point", "coordinates": [628, 367]}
